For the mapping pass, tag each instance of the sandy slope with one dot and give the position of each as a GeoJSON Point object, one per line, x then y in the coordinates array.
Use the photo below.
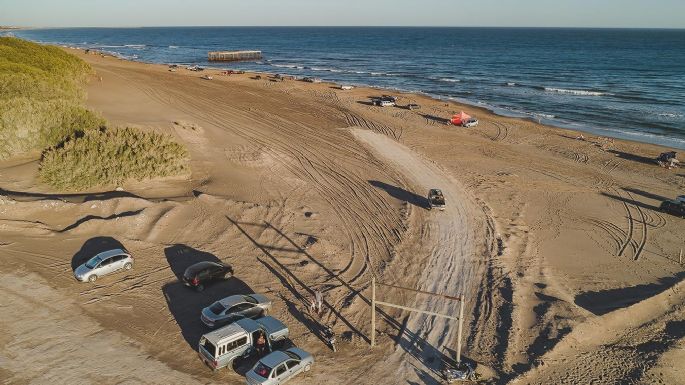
{"type": "Point", "coordinates": [570, 272]}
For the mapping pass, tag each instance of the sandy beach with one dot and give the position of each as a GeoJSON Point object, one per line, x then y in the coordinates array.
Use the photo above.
{"type": "Point", "coordinates": [569, 271]}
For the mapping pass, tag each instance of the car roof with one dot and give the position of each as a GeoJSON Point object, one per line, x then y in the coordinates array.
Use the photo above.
{"type": "Point", "coordinates": [275, 358]}
{"type": "Point", "coordinates": [111, 253]}
{"type": "Point", "coordinates": [203, 265]}
{"type": "Point", "coordinates": [232, 300]}
{"type": "Point", "coordinates": [227, 331]}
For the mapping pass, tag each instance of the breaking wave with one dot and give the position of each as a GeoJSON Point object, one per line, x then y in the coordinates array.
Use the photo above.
{"type": "Point", "coordinates": [576, 92]}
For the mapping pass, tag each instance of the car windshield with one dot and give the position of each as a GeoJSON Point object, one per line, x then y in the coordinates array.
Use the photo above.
{"type": "Point", "coordinates": [217, 308]}
{"type": "Point", "coordinates": [262, 370]}
{"type": "Point", "coordinates": [93, 262]}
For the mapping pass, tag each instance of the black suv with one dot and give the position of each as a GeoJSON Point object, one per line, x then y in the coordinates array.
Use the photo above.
{"type": "Point", "coordinates": [201, 273]}
{"type": "Point", "coordinates": [675, 207]}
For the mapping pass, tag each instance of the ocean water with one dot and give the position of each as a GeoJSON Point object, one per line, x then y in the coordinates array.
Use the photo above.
{"type": "Point", "coordinates": [615, 82]}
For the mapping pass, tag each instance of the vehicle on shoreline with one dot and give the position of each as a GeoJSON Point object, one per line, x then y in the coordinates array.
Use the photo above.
{"type": "Point", "coordinates": [235, 307]}
{"type": "Point", "coordinates": [436, 199]}
{"type": "Point", "coordinates": [472, 122]}
{"type": "Point", "coordinates": [384, 101]}
{"type": "Point", "coordinates": [346, 87]}
{"type": "Point", "coordinates": [279, 367]}
{"type": "Point", "coordinates": [311, 80]}
{"type": "Point", "coordinates": [206, 77]}
{"type": "Point", "coordinates": [674, 207]}
{"type": "Point", "coordinates": [413, 106]}
{"type": "Point", "coordinates": [241, 339]}
{"type": "Point", "coordinates": [104, 263]}
{"type": "Point", "coordinates": [202, 273]}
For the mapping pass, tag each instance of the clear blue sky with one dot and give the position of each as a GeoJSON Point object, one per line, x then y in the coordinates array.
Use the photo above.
{"type": "Point", "coordinates": [540, 13]}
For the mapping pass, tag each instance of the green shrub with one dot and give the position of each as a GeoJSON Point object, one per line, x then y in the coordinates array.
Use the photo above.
{"type": "Point", "coordinates": [40, 97]}
{"type": "Point", "coordinates": [112, 156]}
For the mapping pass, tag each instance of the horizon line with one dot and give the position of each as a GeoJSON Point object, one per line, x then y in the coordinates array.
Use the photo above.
{"type": "Point", "coordinates": [3, 27]}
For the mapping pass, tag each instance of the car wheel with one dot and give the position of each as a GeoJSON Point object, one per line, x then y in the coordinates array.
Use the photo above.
{"type": "Point", "coordinates": [128, 266]}
{"type": "Point", "coordinates": [200, 287]}
{"type": "Point", "coordinates": [93, 278]}
{"type": "Point", "coordinates": [307, 368]}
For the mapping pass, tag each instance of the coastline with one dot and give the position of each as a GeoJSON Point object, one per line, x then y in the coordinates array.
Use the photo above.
{"type": "Point", "coordinates": [633, 112]}
{"type": "Point", "coordinates": [303, 187]}
{"type": "Point", "coordinates": [458, 103]}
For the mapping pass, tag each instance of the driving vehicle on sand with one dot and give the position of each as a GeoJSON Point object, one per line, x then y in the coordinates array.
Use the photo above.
{"type": "Point", "coordinates": [674, 207]}
{"type": "Point", "coordinates": [436, 199]}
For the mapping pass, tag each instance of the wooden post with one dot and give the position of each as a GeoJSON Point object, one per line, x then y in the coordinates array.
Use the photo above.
{"type": "Point", "coordinates": [680, 258]}
{"type": "Point", "coordinates": [373, 311]}
{"type": "Point", "coordinates": [461, 321]}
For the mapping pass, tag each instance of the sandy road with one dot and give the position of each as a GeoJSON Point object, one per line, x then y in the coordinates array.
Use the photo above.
{"type": "Point", "coordinates": [448, 240]}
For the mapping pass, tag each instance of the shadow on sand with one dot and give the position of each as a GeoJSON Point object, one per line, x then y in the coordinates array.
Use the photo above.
{"type": "Point", "coordinates": [402, 194]}
{"type": "Point", "coordinates": [92, 247]}
{"type": "Point", "coordinates": [605, 301]}
{"type": "Point", "coordinates": [633, 157]}
{"type": "Point", "coordinates": [413, 343]}
{"type": "Point", "coordinates": [434, 118]}
{"type": "Point", "coordinates": [185, 304]}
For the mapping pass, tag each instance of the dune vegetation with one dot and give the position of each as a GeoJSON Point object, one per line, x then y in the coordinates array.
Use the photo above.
{"type": "Point", "coordinates": [111, 156]}
{"type": "Point", "coordinates": [41, 112]}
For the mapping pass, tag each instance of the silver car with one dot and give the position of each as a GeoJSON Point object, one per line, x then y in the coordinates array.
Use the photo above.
{"type": "Point", "coordinates": [279, 367]}
{"type": "Point", "coordinates": [235, 307]}
{"type": "Point", "coordinates": [106, 262]}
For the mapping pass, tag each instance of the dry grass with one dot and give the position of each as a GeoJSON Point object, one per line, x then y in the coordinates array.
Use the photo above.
{"type": "Point", "coordinates": [112, 156]}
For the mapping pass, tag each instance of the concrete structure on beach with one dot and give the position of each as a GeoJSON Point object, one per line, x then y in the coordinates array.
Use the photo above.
{"type": "Point", "coordinates": [234, 55]}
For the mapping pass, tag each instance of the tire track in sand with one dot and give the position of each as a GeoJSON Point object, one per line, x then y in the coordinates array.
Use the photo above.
{"type": "Point", "coordinates": [449, 242]}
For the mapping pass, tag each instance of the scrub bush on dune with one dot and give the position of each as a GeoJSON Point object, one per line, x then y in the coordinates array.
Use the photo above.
{"type": "Point", "coordinates": [40, 97]}
{"type": "Point", "coordinates": [112, 156]}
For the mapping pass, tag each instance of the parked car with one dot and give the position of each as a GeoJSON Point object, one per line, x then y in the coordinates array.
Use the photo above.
{"type": "Point", "coordinates": [384, 101]}
{"type": "Point", "coordinates": [279, 367]}
{"type": "Point", "coordinates": [106, 262]}
{"type": "Point", "coordinates": [346, 87]}
{"type": "Point", "coordinates": [219, 348]}
{"type": "Point", "coordinates": [473, 122]}
{"type": "Point", "coordinates": [413, 106]}
{"type": "Point", "coordinates": [436, 199]}
{"type": "Point", "coordinates": [202, 273]}
{"type": "Point", "coordinates": [207, 77]}
{"type": "Point", "coordinates": [235, 307]}
{"type": "Point", "coordinates": [674, 207]}
{"type": "Point", "coordinates": [311, 80]}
